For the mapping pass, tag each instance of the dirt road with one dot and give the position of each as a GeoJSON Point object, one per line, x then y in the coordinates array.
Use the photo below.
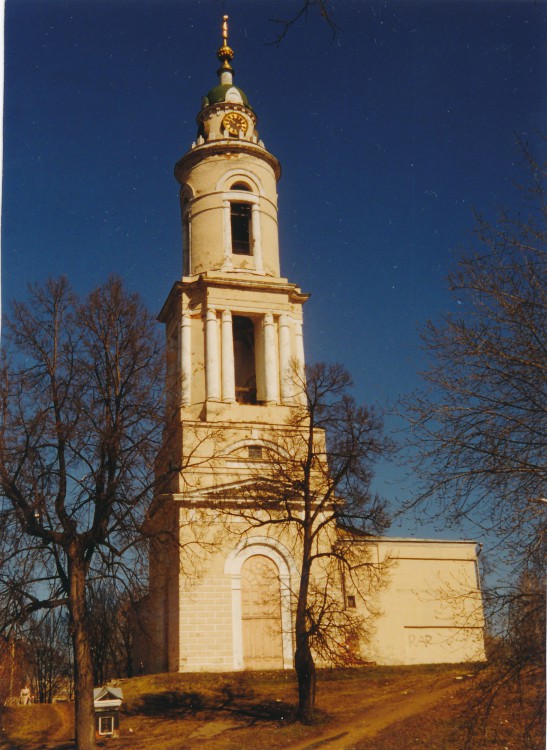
{"type": "Point", "coordinates": [376, 717]}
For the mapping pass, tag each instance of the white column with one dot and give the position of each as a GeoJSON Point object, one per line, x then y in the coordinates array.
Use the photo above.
{"type": "Point", "coordinates": [227, 234]}
{"type": "Point", "coordinates": [285, 359]}
{"type": "Point", "coordinates": [299, 354]}
{"type": "Point", "coordinates": [228, 371]}
{"type": "Point", "coordinates": [185, 361]}
{"type": "Point", "coordinates": [212, 373]}
{"type": "Point", "coordinates": [257, 237]}
{"type": "Point", "coordinates": [299, 357]}
{"type": "Point", "coordinates": [270, 360]}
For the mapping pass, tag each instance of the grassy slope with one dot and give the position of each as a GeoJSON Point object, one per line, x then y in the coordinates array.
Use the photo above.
{"type": "Point", "coordinates": [255, 710]}
{"type": "Point", "coordinates": [486, 714]}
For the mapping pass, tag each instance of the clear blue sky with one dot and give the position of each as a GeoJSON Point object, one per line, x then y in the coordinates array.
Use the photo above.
{"type": "Point", "coordinates": [388, 136]}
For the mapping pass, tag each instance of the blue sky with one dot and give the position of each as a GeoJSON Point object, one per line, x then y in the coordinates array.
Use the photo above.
{"type": "Point", "coordinates": [389, 135]}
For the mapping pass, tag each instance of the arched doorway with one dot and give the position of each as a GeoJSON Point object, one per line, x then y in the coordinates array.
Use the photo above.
{"type": "Point", "coordinates": [261, 614]}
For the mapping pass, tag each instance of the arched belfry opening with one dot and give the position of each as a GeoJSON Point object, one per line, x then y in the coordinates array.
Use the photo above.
{"type": "Point", "coordinates": [241, 186]}
{"type": "Point", "coordinates": [244, 360]}
{"type": "Point", "coordinates": [240, 221]}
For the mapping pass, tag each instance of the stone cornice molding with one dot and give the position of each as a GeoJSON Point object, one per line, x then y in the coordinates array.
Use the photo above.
{"type": "Point", "coordinates": [261, 284]}
{"type": "Point", "coordinates": [223, 147]}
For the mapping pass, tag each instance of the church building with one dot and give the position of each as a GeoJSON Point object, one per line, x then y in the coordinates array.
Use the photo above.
{"type": "Point", "coordinates": [222, 589]}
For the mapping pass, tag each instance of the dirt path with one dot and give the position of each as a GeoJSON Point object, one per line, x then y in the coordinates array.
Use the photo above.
{"type": "Point", "coordinates": [378, 716]}
{"type": "Point", "coordinates": [63, 729]}
{"type": "Point", "coordinates": [37, 725]}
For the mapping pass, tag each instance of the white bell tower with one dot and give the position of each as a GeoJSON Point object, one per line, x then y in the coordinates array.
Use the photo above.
{"type": "Point", "coordinates": [234, 342]}
{"type": "Point", "coordinates": [224, 565]}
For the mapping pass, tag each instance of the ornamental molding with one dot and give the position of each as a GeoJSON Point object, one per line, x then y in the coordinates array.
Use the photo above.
{"type": "Point", "coordinates": [227, 147]}
{"type": "Point", "coordinates": [222, 108]}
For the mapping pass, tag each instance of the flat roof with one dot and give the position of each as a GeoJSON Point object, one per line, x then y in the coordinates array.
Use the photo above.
{"type": "Point", "coordinates": [413, 540]}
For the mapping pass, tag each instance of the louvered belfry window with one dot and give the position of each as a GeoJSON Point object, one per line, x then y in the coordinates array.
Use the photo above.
{"type": "Point", "coordinates": [240, 217]}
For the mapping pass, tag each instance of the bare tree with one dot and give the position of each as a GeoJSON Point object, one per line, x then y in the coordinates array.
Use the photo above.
{"type": "Point", "coordinates": [14, 667]}
{"type": "Point", "coordinates": [82, 421]}
{"type": "Point", "coordinates": [479, 432]}
{"type": "Point", "coordinates": [102, 600]}
{"type": "Point", "coordinates": [48, 654]}
{"type": "Point", "coordinates": [113, 625]}
{"type": "Point", "coordinates": [313, 492]}
{"type": "Point", "coordinates": [481, 428]}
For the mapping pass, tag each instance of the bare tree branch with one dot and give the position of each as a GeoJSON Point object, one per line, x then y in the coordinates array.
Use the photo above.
{"type": "Point", "coordinates": [307, 6]}
{"type": "Point", "coordinates": [81, 425]}
{"type": "Point", "coordinates": [479, 432]}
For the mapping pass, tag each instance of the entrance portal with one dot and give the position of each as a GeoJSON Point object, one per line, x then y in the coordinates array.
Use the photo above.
{"type": "Point", "coordinates": [261, 614]}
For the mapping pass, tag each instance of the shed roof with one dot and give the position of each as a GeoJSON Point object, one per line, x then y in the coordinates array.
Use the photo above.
{"type": "Point", "coordinates": [106, 693]}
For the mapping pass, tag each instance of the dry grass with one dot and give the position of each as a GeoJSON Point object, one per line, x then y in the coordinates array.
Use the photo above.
{"type": "Point", "coordinates": [486, 714]}
{"type": "Point", "coordinates": [373, 707]}
{"type": "Point", "coordinates": [35, 726]}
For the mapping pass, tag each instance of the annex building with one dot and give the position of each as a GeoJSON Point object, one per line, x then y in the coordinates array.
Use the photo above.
{"type": "Point", "coordinates": [222, 584]}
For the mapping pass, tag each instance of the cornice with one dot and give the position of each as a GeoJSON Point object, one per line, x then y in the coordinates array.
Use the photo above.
{"type": "Point", "coordinates": [203, 281]}
{"type": "Point", "coordinates": [166, 310]}
{"type": "Point", "coordinates": [261, 284]}
{"type": "Point", "coordinates": [223, 147]}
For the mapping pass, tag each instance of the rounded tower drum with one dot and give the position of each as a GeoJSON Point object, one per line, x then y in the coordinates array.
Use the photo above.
{"type": "Point", "coordinates": [229, 209]}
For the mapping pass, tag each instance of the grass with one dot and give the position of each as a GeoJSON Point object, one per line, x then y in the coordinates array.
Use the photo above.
{"type": "Point", "coordinates": [485, 715]}
{"type": "Point", "coordinates": [35, 725]}
{"type": "Point", "coordinates": [385, 708]}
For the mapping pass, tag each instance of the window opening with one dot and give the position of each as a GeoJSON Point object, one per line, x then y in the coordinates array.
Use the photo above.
{"type": "Point", "coordinates": [106, 725]}
{"type": "Point", "coordinates": [241, 186]}
{"type": "Point", "coordinates": [240, 219]}
{"type": "Point", "coordinates": [351, 602]}
{"type": "Point", "coordinates": [244, 360]}
{"type": "Point", "coordinates": [255, 451]}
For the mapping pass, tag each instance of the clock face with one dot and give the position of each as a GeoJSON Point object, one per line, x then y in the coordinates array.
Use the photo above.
{"type": "Point", "coordinates": [234, 122]}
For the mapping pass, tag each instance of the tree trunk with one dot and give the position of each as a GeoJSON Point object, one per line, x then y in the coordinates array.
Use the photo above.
{"type": "Point", "coordinates": [83, 668]}
{"type": "Point", "coordinates": [305, 672]}
{"type": "Point", "coordinates": [303, 658]}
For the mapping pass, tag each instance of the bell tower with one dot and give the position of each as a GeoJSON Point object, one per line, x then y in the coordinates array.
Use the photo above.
{"type": "Point", "coordinates": [224, 564]}
{"type": "Point", "coordinates": [234, 343]}
{"type": "Point", "coordinates": [234, 325]}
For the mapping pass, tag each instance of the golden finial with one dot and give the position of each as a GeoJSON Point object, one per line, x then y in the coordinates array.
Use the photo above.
{"type": "Point", "coordinates": [225, 53]}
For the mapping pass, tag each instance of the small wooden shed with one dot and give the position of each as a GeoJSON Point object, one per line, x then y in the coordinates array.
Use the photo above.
{"type": "Point", "coordinates": [107, 702]}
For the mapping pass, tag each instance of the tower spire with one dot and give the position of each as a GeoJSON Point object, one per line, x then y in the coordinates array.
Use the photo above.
{"type": "Point", "coordinates": [225, 54]}
{"type": "Point", "coordinates": [225, 31]}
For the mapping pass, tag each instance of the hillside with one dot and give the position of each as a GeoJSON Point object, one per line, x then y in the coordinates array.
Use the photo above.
{"type": "Point", "coordinates": [366, 708]}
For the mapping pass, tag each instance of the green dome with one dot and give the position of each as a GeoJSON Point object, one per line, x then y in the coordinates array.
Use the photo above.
{"type": "Point", "coordinates": [218, 94]}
